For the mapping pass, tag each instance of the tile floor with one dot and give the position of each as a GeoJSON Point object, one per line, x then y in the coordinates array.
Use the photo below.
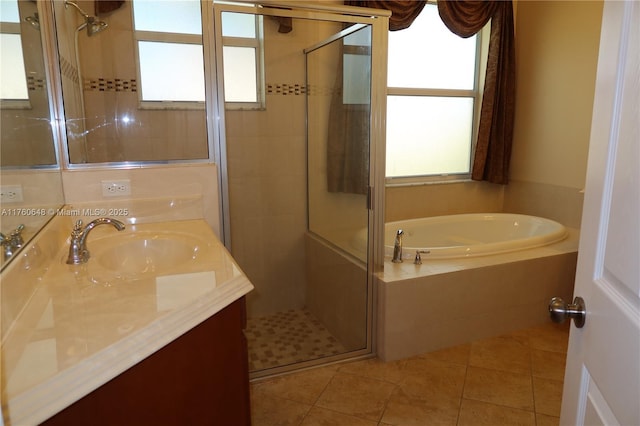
{"type": "Point", "coordinates": [288, 337]}
{"type": "Point", "coordinates": [514, 379]}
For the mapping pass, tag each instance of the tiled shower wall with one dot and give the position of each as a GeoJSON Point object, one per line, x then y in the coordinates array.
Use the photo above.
{"type": "Point", "coordinates": [267, 166]}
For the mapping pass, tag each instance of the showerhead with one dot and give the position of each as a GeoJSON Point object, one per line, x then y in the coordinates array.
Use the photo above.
{"type": "Point", "coordinates": [93, 24]}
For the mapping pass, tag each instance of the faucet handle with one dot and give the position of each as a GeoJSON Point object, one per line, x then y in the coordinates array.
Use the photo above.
{"type": "Point", "coordinates": [16, 236]}
{"type": "Point", "coordinates": [77, 228]}
{"type": "Point", "coordinates": [418, 259]}
{"type": "Point", "coordinates": [18, 230]}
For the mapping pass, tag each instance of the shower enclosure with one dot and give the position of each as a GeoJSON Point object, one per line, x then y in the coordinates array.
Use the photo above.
{"type": "Point", "coordinates": [301, 163]}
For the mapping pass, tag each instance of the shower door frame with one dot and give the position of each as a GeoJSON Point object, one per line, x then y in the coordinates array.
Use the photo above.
{"type": "Point", "coordinates": [378, 20]}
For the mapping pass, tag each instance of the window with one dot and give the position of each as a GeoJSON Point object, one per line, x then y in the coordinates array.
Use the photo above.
{"type": "Point", "coordinates": [432, 98]}
{"type": "Point", "coordinates": [242, 59]}
{"type": "Point", "coordinates": [169, 44]}
{"type": "Point", "coordinates": [14, 92]}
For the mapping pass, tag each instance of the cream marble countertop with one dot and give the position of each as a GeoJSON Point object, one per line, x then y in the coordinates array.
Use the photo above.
{"type": "Point", "coordinates": [79, 326]}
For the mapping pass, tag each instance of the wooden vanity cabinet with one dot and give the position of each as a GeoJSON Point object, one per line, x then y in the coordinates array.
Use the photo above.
{"type": "Point", "coordinates": [201, 378]}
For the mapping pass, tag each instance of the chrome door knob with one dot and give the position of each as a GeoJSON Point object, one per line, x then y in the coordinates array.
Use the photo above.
{"type": "Point", "coordinates": [560, 311]}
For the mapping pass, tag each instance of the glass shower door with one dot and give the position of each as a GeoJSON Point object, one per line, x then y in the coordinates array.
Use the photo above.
{"type": "Point", "coordinates": [338, 125]}
{"type": "Point", "coordinates": [300, 239]}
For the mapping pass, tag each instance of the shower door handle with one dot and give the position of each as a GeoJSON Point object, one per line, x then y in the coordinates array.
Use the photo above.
{"type": "Point", "coordinates": [560, 311]}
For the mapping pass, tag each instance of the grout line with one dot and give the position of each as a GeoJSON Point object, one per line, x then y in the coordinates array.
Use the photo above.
{"type": "Point", "coordinates": [464, 384]}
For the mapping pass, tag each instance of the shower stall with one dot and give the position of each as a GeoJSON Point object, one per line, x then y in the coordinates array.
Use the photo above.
{"type": "Point", "coordinates": [301, 163]}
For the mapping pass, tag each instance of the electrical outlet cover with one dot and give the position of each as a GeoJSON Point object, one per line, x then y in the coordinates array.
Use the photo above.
{"type": "Point", "coordinates": [11, 194]}
{"type": "Point", "coordinates": [116, 188]}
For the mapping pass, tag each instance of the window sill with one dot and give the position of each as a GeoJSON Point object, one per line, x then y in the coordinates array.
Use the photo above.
{"type": "Point", "coordinates": [431, 180]}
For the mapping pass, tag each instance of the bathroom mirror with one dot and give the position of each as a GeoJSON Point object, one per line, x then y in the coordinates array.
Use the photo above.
{"type": "Point", "coordinates": [132, 81]}
{"type": "Point", "coordinates": [29, 169]}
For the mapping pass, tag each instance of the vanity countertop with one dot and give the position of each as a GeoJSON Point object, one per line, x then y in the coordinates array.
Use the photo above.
{"type": "Point", "coordinates": [83, 325]}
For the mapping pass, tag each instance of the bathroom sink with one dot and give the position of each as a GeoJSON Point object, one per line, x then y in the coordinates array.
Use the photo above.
{"type": "Point", "coordinates": [145, 252]}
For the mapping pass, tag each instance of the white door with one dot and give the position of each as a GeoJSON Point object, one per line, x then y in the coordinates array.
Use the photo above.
{"type": "Point", "coordinates": [602, 379]}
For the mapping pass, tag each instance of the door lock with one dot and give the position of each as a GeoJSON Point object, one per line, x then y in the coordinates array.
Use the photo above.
{"type": "Point", "coordinates": [560, 311]}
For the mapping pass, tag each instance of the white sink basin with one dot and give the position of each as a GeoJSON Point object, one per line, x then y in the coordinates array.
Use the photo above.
{"type": "Point", "coordinates": [140, 253]}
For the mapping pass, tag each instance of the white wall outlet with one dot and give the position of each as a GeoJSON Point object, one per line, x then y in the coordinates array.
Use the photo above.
{"type": "Point", "coordinates": [11, 193]}
{"type": "Point", "coordinates": [116, 188]}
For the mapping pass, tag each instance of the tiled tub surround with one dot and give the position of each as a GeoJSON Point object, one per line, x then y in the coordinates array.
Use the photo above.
{"type": "Point", "coordinates": [80, 326]}
{"type": "Point", "coordinates": [447, 302]}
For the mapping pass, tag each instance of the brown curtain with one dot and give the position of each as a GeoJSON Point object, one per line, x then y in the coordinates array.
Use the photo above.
{"type": "Point", "coordinates": [495, 134]}
{"type": "Point", "coordinates": [403, 12]}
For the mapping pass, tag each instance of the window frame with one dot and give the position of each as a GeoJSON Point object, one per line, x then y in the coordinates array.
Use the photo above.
{"type": "Point", "coordinates": [257, 44]}
{"type": "Point", "coordinates": [482, 43]}
{"type": "Point", "coordinates": [166, 37]}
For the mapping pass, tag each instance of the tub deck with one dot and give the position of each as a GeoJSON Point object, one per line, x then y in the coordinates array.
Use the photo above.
{"type": "Point", "coordinates": [446, 302]}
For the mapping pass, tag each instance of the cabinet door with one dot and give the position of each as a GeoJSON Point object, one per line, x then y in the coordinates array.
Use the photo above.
{"type": "Point", "coordinates": [201, 378]}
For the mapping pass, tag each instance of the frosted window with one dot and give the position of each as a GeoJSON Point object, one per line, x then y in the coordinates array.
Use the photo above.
{"type": "Point", "coordinates": [181, 16]}
{"type": "Point", "coordinates": [428, 55]}
{"type": "Point", "coordinates": [238, 25]}
{"type": "Point", "coordinates": [356, 69]}
{"type": "Point", "coordinates": [359, 38]}
{"type": "Point", "coordinates": [9, 11]}
{"type": "Point", "coordinates": [12, 74]}
{"type": "Point", "coordinates": [240, 74]}
{"type": "Point", "coordinates": [171, 71]}
{"type": "Point", "coordinates": [357, 76]}
{"type": "Point", "coordinates": [432, 135]}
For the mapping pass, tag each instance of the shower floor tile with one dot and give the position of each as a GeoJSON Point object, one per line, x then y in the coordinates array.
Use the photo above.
{"type": "Point", "coordinates": [286, 338]}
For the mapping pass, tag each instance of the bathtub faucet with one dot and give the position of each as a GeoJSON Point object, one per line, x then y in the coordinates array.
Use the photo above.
{"type": "Point", "coordinates": [397, 247]}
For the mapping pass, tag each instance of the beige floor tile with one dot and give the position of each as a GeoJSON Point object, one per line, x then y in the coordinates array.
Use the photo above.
{"type": "Point", "coordinates": [434, 381]}
{"type": "Point", "coordinates": [323, 417]}
{"type": "Point", "coordinates": [456, 354]}
{"type": "Point", "coordinates": [476, 413]}
{"type": "Point", "coordinates": [515, 379]}
{"type": "Point", "coordinates": [548, 365]}
{"type": "Point", "coordinates": [272, 411]}
{"type": "Point", "coordinates": [374, 368]}
{"type": "Point", "coordinates": [356, 396]}
{"type": "Point", "coordinates": [548, 396]}
{"type": "Point", "coordinates": [405, 410]}
{"type": "Point", "coordinates": [304, 387]}
{"type": "Point", "coordinates": [506, 353]}
{"type": "Point", "coordinates": [544, 420]}
{"type": "Point", "coordinates": [499, 387]}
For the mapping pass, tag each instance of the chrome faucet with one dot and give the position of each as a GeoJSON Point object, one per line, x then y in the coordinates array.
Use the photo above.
{"type": "Point", "coordinates": [12, 243]}
{"type": "Point", "coordinates": [78, 252]}
{"type": "Point", "coordinates": [397, 247]}
{"type": "Point", "coordinates": [418, 259]}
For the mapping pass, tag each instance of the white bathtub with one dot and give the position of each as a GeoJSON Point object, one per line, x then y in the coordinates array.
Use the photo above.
{"type": "Point", "coordinates": [477, 234]}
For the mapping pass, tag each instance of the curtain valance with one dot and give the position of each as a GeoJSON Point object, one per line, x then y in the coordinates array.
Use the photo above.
{"type": "Point", "coordinates": [403, 12]}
